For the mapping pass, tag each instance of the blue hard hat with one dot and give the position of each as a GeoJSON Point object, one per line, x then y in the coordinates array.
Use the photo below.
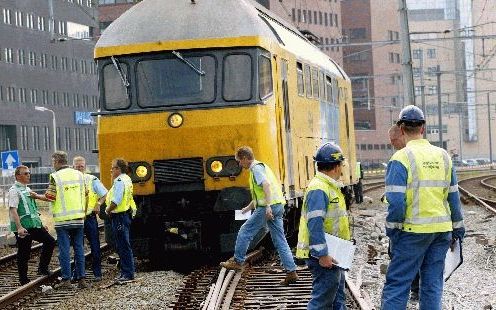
{"type": "Point", "coordinates": [329, 153]}
{"type": "Point", "coordinates": [411, 114]}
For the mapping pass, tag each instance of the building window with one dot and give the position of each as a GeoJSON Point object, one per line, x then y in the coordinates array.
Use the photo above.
{"type": "Point", "coordinates": [432, 70]}
{"type": "Point", "coordinates": [331, 23]}
{"type": "Point", "coordinates": [363, 147]}
{"type": "Point", "coordinates": [55, 60]}
{"type": "Point", "coordinates": [46, 138]}
{"type": "Point", "coordinates": [432, 90]}
{"type": "Point", "coordinates": [36, 137]}
{"type": "Point", "coordinates": [9, 55]}
{"type": "Point", "coordinates": [34, 96]}
{"type": "Point", "coordinates": [68, 140]}
{"type": "Point", "coordinates": [11, 94]}
{"type": "Point", "coordinates": [30, 20]}
{"type": "Point", "coordinates": [44, 60]}
{"type": "Point", "coordinates": [309, 17]}
{"type": "Point", "coordinates": [299, 15]}
{"type": "Point", "coordinates": [431, 53]}
{"type": "Point", "coordinates": [315, 17]}
{"type": "Point", "coordinates": [41, 23]}
{"type": "Point", "coordinates": [6, 16]}
{"type": "Point", "coordinates": [24, 138]}
{"type": "Point", "coordinates": [358, 33]}
{"type": "Point", "coordinates": [32, 58]}
{"type": "Point", "coordinates": [417, 53]}
{"type": "Point", "coordinates": [370, 147]}
{"type": "Point", "coordinates": [320, 18]}
{"type": "Point", "coordinates": [327, 43]}
{"type": "Point", "coordinates": [22, 95]}
{"type": "Point", "coordinates": [19, 19]}
{"type": "Point", "coordinates": [293, 14]}
{"type": "Point", "coordinates": [336, 20]}
{"type": "Point", "coordinates": [304, 16]}
{"type": "Point", "coordinates": [326, 21]}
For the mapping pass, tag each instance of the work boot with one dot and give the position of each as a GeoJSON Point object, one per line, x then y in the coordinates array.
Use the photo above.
{"type": "Point", "coordinates": [83, 284]}
{"type": "Point", "coordinates": [231, 265]}
{"type": "Point", "coordinates": [291, 277]}
{"type": "Point", "coordinates": [64, 284]}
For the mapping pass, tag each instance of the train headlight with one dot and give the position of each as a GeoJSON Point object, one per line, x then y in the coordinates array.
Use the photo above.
{"type": "Point", "coordinates": [216, 166]}
{"type": "Point", "coordinates": [222, 166]}
{"type": "Point", "coordinates": [141, 171]}
{"type": "Point", "coordinates": [175, 120]}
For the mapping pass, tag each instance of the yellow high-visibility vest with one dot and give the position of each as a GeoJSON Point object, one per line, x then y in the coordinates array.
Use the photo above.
{"type": "Point", "coordinates": [71, 197]}
{"type": "Point", "coordinates": [335, 219]}
{"type": "Point", "coordinates": [127, 200]}
{"type": "Point", "coordinates": [257, 192]}
{"type": "Point", "coordinates": [428, 185]}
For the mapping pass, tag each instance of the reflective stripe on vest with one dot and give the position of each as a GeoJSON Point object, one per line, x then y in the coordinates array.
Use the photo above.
{"type": "Point", "coordinates": [427, 208]}
{"type": "Point", "coordinates": [69, 205]}
{"type": "Point", "coordinates": [335, 217]}
{"type": "Point", "coordinates": [92, 195]}
{"type": "Point", "coordinates": [127, 200]}
{"type": "Point", "coordinates": [275, 188]}
{"type": "Point", "coordinates": [26, 210]}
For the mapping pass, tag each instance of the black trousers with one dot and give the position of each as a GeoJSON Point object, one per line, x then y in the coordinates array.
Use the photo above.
{"type": "Point", "coordinates": [24, 251]}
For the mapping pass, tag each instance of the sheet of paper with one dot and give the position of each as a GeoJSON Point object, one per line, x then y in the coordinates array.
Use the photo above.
{"type": "Point", "coordinates": [341, 250]}
{"type": "Point", "coordinates": [453, 260]}
{"type": "Point", "coordinates": [239, 216]}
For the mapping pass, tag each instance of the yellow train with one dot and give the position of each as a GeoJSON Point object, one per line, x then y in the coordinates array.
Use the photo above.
{"type": "Point", "coordinates": [183, 84]}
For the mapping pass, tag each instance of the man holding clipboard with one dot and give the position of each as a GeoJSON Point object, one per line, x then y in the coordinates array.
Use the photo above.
{"type": "Point", "coordinates": [324, 212]}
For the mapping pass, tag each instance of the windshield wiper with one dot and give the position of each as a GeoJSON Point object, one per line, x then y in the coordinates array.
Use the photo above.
{"type": "Point", "coordinates": [178, 55]}
{"type": "Point", "coordinates": [121, 74]}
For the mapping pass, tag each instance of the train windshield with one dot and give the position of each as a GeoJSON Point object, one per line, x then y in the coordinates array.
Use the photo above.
{"type": "Point", "coordinates": [175, 81]}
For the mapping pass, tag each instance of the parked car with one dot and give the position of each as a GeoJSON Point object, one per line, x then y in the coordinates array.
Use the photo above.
{"type": "Point", "coordinates": [458, 163]}
{"type": "Point", "coordinates": [483, 161]}
{"type": "Point", "coordinates": [470, 162]}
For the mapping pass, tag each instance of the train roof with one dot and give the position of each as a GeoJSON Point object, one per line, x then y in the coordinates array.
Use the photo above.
{"type": "Point", "coordinates": [158, 21]}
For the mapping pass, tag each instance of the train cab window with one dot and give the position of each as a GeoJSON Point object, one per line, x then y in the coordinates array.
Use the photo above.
{"type": "Point", "coordinates": [308, 81]}
{"type": "Point", "coordinates": [177, 80]}
{"type": "Point", "coordinates": [115, 94]}
{"type": "Point", "coordinates": [315, 83]}
{"type": "Point", "coordinates": [329, 89]}
{"type": "Point", "coordinates": [237, 77]}
{"type": "Point", "coordinates": [299, 77]}
{"type": "Point", "coordinates": [265, 76]}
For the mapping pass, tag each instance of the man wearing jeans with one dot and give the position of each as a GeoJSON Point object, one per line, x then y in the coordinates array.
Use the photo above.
{"type": "Point", "coordinates": [96, 197]}
{"type": "Point", "coordinates": [324, 211]}
{"type": "Point", "coordinates": [67, 191]}
{"type": "Point", "coordinates": [120, 206]}
{"type": "Point", "coordinates": [267, 195]}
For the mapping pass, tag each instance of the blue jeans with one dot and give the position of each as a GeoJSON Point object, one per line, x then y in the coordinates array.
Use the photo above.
{"type": "Point", "coordinates": [253, 225]}
{"type": "Point", "coordinates": [327, 287]}
{"type": "Point", "coordinates": [64, 238]}
{"type": "Point", "coordinates": [410, 253]}
{"type": "Point", "coordinates": [91, 232]}
{"type": "Point", "coordinates": [120, 229]}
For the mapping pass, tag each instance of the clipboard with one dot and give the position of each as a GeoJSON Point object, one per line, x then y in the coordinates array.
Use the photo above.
{"type": "Point", "coordinates": [341, 250]}
{"type": "Point", "coordinates": [453, 260]}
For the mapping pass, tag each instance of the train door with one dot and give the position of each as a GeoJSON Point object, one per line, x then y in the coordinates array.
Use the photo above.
{"type": "Point", "coordinates": [288, 144]}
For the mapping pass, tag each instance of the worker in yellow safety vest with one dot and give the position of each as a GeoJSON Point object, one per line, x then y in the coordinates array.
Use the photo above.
{"type": "Point", "coordinates": [324, 211]}
{"type": "Point", "coordinates": [424, 215]}
{"type": "Point", "coordinates": [67, 191]}
{"type": "Point", "coordinates": [120, 209]}
{"type": "Point", "coordinates": [268, 202]}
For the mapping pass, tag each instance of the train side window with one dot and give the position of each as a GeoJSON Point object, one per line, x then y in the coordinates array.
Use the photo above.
{"type": "Point", "coordinates": [329, 89]}
{"type": "Point", "coordinates": [322, 86]}
{"type": "Point", "coordinates": [299, 77]}
{"type": "Point", "coordinates": [114, 92]}
{"type": "Point", "coordinates": [308, 81]}
{"type": "Point", "coordinates": [315, 83]}
{"type": "Point", "coordinates": [265, 76]}
{"type": "Point", "coordinates": [237, 77]}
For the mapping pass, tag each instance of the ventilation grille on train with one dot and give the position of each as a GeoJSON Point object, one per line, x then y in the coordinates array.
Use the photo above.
{"type": "Point", "coordinates": [178, 170]}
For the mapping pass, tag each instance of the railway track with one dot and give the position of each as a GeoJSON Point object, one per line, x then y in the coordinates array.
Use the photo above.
{"type": "Point", "coordinates": [483, 198]}
{"type": "Point", "coordinates": [12, 294]}
{"type": "Point", "coordinates": [257, 286]}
